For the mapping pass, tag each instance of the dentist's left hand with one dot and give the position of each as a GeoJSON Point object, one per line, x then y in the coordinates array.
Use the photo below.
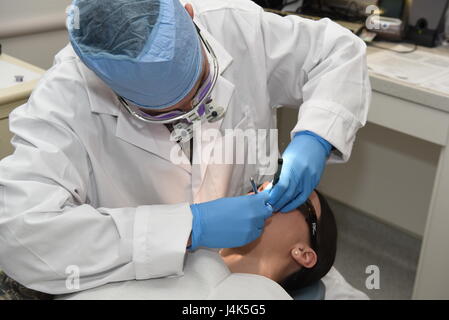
{"type": "Point", "coordinates": [304, 161]}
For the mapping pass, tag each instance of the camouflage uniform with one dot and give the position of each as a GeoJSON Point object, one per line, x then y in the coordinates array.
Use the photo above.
{"type": "Point", "coordinates": [12, 290]}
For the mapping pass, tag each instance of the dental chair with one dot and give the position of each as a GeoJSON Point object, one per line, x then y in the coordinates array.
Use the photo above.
{"type": "Point", "coordinates": [315, 291]}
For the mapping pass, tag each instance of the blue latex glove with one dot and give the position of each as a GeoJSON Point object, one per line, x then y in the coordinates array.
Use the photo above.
{"type": "Point", "coordinates": [304, 162]}
{"type": "Point", "coordinates": [229, 222]}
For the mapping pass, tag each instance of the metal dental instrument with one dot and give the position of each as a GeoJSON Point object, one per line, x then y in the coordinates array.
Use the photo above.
{"type": "Point", "coordinates": [278, 172]}
{"type": "Point", "coordinates": [253, 184]}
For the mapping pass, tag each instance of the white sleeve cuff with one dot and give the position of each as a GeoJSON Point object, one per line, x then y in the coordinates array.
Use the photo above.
{"type": "Point", "coordinates": [333, 123]}
{"type": "Point", "coordinates": [161, 233]}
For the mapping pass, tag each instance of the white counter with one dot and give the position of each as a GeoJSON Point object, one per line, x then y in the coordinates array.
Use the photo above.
{"type": "Point", "coordinates": [12, 97]}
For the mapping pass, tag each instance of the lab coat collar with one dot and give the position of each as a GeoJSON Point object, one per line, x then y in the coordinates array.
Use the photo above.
{"type": "Point", "coordinates": [223, 57]}
{"type": "Point", "coordinates": [221, 95]}
{"type": "Point", "coordinates": [154, 138]}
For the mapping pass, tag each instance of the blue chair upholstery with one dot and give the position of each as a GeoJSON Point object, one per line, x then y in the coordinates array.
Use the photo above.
{"type": "Point", "coordinates": [315, 291]}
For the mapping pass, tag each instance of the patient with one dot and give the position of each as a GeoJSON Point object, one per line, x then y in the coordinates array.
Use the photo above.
{"type": "Point", "coordinates": [285, 258]}
{"type": "Point", "coordinates": [287, 252]}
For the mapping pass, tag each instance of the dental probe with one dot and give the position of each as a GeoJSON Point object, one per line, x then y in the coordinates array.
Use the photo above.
{"type": "Point", "coordinates": [278, 172]}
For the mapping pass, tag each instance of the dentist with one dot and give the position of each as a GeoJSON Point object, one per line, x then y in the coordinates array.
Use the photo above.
{"type": "Point", "coordinates": [92, 186]}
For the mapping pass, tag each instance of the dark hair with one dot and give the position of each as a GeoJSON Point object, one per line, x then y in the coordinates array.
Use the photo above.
{"type": "Point", "coordinates": [326, 250]}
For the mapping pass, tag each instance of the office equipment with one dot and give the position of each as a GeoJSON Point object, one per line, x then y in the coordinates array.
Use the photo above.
{"type": "Point", "coordinates": [394, 8]}
{"type": "Point", "coordinates": [388, 19]}
{"type": "Point", "coordinates": [354, 27]}
{"type": "Point", "coordinates": [347, 10]}
{"type": "Point", "coordinates": [426, 22]}
{"type": "Point", "coordinates": [253, 185]}
{"type": "Point", "coordinates": [386, 28]}
{"type": "Point", "coordinates": [352, 7]}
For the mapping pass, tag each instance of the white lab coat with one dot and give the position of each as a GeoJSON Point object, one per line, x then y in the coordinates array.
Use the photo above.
{"type": "Point", "coordinates": [89, 188]}
{"type": "Point", "coordinates": [206, 277]}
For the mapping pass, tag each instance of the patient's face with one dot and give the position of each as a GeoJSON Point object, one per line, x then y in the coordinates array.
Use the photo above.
{"type": "Point", "coordinates": [284, 233]}
{"type": "Point", "coordinates": [283, 229]}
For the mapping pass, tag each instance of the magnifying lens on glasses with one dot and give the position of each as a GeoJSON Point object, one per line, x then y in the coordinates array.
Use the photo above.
{"type": "Point", "coordinates": [203, 107]}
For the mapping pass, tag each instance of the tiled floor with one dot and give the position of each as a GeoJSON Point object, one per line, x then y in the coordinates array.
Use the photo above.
{"type": "Point", "coordinates": [363, 242]}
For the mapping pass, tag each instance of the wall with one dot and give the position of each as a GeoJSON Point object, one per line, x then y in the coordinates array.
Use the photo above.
{"type": "Point", "coordinates": [33, 31]}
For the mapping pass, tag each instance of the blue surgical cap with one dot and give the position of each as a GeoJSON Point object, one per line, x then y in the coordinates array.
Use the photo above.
{"type": "Point", "coordinates": [147, 51]}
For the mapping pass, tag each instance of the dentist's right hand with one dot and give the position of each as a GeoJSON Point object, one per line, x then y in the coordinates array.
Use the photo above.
{"type": "Point", "coordinates": [229, 222]}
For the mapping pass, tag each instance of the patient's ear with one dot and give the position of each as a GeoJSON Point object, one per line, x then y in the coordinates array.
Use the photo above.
{"type": "Point", "coordinates": [304, 255]}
